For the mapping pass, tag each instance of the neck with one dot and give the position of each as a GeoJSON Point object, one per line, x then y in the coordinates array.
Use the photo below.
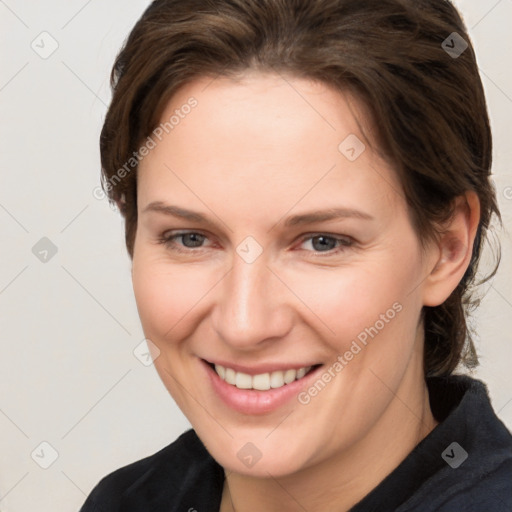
{"type": "Point", "coordinates": [341, 481]}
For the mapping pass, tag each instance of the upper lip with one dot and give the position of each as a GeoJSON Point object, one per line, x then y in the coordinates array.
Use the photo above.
{"type": "Point", "coordinates": [261, 368]}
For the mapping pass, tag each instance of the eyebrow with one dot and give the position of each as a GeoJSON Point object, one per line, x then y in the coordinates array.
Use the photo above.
{"type": "Point", "coordinates": [295, 220]}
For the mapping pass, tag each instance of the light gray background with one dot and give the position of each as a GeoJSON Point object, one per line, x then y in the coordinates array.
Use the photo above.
{"type": "Point", "coordinates": [68, 327]}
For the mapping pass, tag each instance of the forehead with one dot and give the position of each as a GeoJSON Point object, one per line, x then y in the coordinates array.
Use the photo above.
{"type": "Point", "coordinates": [272, 137]}
{"type": "Point", "coordinates": [254, 106]}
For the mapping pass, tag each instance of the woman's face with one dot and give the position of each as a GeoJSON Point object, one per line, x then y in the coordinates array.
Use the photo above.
{"type": "Point", "coordinates": [240, 261]}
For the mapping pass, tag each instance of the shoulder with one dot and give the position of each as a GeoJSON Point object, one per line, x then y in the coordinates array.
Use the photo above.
{"type": "Point", "coordinates": [159, 480]}
{"type": "Point", "coordinates": [492, 491]}
{"type": "Point", "coordinates": [473, 452]}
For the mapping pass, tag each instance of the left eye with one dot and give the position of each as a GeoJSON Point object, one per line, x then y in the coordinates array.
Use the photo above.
{"type": "Point", "coordinates": [319, 242]}
{"type": "Point", "coordinates": [190, 240]}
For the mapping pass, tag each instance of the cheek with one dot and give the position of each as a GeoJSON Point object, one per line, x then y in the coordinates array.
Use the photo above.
{"type": "Point", "coordinates": [347, 300]}
{"type": "Point", "coordinates": [165, 294]}
{"type": "Point", "coordinates": [372, 305]}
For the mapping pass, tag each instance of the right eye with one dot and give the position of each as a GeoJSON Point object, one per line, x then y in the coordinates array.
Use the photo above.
{"type": "Point", "coordinates": [187, 237]}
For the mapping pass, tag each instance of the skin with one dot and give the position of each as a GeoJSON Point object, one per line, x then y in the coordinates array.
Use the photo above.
{"type": "Point", "coordinates": [252, 153]}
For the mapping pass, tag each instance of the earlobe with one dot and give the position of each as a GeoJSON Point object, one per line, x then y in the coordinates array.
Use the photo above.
{"type": "Point", "coordinates": [454, 250]}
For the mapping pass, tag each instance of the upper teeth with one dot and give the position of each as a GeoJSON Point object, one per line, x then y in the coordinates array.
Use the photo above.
{"type": "Point", "coordinates": [262, 381]}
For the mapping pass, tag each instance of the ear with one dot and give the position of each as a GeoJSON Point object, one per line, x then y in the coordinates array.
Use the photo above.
{"type": "Point", "coordinates": [121, 202]}
{"type": "Point", "coordinates": [452, 253]}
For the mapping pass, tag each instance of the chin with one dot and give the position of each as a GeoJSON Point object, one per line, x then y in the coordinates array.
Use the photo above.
{"type": "Point", "coordinates": [258, 455]}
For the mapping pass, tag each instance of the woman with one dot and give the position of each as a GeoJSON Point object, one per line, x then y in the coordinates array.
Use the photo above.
{"type": "Point", "coordinates": [241, 138]}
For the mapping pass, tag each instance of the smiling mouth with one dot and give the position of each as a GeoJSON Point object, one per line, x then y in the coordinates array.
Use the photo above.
{"type": "Point", "coordinates": [263, 381]}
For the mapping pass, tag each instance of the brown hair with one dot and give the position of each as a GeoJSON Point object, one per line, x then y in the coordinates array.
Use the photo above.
{"type": "Point", "coordinates": [428, 106]}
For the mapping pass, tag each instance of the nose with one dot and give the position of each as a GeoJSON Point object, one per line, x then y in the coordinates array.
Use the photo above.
{"type": "Point", "coordinates": [252, 307]}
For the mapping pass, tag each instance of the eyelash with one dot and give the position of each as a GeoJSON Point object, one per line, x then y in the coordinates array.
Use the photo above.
{"type": "Point", "coordinates": [344, 242]}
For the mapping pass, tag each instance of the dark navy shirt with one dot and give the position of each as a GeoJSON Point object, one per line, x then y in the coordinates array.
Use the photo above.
{"type": "Point", "coordinates": [463, 465]}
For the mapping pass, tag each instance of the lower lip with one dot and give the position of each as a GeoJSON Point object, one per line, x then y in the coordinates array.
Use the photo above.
{"type": "Point", "coordinates": [251, 401]}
